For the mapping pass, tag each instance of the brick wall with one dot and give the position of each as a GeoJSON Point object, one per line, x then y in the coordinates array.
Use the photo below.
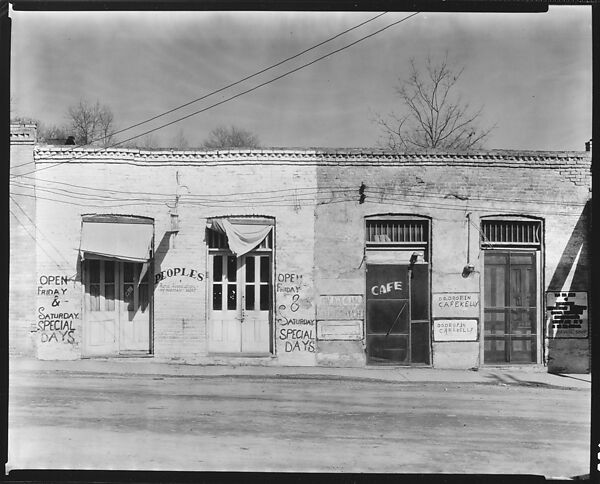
{"type": "Point", "coordinates": [319, 233]}
{"type": "Point", "coordinates": [22, 291]}
{"type": "Point", "coordinates": [205, 190]}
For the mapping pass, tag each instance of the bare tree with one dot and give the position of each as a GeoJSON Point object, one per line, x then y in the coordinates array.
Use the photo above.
{"type": "Point", "coordinates": [434, 116]}
{"type": "Point", "coordinates": [232, 137]}
{"type": "Point", "coordinates": [91, 124]}
{"type": "Point", "coordinates": [180, 141]}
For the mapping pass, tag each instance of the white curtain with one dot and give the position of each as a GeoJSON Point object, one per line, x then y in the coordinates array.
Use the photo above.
{"type": "Point", "coordinates": [241, 238]}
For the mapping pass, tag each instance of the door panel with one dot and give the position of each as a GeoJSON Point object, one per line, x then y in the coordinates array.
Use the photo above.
{"type": "Point", "coordinates": [240, 297]}
{"type": "Point", "coordinates": [117, 307]}
{"type": "Point", "coordinates": [134, 313]}
{"type": "Point", "coordinates": [101, 316]}
{"type": "Point", "coordinates": [510, 324]}
{"type": "Point", "coordinates": [397, 320]}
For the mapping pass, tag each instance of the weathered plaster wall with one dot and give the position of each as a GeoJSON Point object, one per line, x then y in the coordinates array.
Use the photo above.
{"type": "Point", "coordinates": [553, 187]}
{"type": "Point", "coordinates": [147, 185]}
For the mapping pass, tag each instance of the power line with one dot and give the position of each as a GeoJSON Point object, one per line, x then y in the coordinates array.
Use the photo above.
{"type": "Point", "coordinates": [35, 240]}
{"type": "Point", "coordinates": [372, 190]}
{"type": "Point", "coordinates": [262, 71]}
{"type": "Point", "coordinates": [237, 95]}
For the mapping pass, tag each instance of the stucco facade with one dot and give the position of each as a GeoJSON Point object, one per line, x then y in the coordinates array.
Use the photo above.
{"type": "Point", "coordinates": [311, 292]}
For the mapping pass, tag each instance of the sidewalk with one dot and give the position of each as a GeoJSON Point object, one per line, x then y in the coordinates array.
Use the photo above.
{"type": "Point", "coordinates": [535, 376]}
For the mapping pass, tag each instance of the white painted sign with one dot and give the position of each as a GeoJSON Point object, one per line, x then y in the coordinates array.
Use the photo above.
{"type": "Point", "coordinates": [339, 330]}
{"type": "Point", "coordinates": [455, 304]}
{"type": "Point", "coordinates": [455, 330]}
{"type": "Point", "coordinates": [567, 314]}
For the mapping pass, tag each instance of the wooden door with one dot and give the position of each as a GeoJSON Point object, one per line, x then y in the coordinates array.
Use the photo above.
{"type": "Point", "coordinates": [510, 324]}
{"type": "Point", "coordinates": [256, 303]}
{"type": "Point", "coordinates": [224, 332]}
{"type": "Point", "coordinates": [134, 314]}
{"type": "Point", "coordinates": [101, 334]}
{"type": "Point", "coordinates": [240, 303]}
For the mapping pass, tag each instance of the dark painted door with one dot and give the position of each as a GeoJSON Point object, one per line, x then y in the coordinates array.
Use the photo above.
{"type": "Point", "coordinates": [397, 326]}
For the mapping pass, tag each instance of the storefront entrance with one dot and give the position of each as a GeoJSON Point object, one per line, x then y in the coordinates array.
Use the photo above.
{"type": "Point", "coordinates": [511, 307]}
{"type": "Point", "coordinates": [240, 303]}
{"type": "Point", "coordinates": [116, 307]}
{"type": "Point", "coordinates": [397, 326]}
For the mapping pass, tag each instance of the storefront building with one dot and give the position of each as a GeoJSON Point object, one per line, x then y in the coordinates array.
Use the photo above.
{"type": "Point", "coordinates": [301, 257]}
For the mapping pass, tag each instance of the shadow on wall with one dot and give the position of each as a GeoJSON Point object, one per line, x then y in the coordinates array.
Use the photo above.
{"type": "Point", "coordinates": [579, 240]}
{"type": "Point", "coordinates": [161, 250]}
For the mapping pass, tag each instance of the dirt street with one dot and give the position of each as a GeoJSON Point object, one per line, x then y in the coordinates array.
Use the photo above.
{"type": "Point", "coordinates": [60, 419]}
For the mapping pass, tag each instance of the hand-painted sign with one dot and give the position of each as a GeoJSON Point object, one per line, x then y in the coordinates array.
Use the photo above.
{"type": "Point", "coordinates": [455, 304]}
{"type": "Point", "coordinates": [387, 281]}
{"type": "Point", "coordinates": [567, 314]}
{"type": "Point", "coordinates": [340, 307]}
{"type": "Point", "coordinates": [455, 330]}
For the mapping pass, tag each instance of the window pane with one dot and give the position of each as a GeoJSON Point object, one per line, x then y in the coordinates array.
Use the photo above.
{"type": "Point", "coordinates": [217, 297]}
{"type": "Point", "coordinates": [250, 298]}
{"type": "Point", "coordinates": [419, 343]}
{"type": "Point", "coordinates": [143, 296]}
{"type": "Point", "coordinates": [264, 297]}
{"type": "Point", "coordinates": [94, 268]}
{"type": "Point", "coordinates": [128, 271]}
{"type": "Point", "coordinates": [387, 315]}
{"type": "Point", "coordinates": [218, 268]}
{"type": "Point", "coordinates": [264, 269]}
{"type": "Point", "coordinates": [231, 268]}
{"type": "Point", "coordinates": [231, 297]}
{"type": "Point", "coordinates": [94, 297]}
{"type": "Point", "coordinates": [419, 292]}
{"type": "Point", "coordinates": [128, 296]}
{"type": "Point", "coordinates": [109, 271]}
{"type": "Point", "coordinates": [250, 269]}
{"type": "Point", "coordinates": [109, 297]}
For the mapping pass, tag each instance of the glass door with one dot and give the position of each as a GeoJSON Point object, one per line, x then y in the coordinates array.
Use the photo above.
{"type": "Point", "coordinates": [240, 303]}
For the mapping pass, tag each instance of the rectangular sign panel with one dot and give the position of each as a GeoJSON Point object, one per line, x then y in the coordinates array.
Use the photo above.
{"type": "Point", "coordinates": [339, 330]}
{"type": "Point", "coordinates": [455, 304]}
{"type": "Point", "coordinates": [455, 330]}
{"type": "Point", "coordinates": [567, 314]}
{"type": "Point", "coordinates": [340, 307]}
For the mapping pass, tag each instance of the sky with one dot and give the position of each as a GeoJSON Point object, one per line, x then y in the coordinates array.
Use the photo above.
{"type": "Point", "coordinates": [530, 73]}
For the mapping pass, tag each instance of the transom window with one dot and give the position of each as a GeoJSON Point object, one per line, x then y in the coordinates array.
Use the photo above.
{"type": "Point", "coordinates": [397, 232]}
{"type": "Point", "coordinates": [519, 233]}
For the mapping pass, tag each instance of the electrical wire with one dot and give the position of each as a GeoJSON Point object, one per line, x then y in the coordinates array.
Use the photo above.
{"type": "Point", "coordinates": [35, 240]}
{"type": "Point", "coordinates": [212, 93]}
{"type": "Point", "coordinates": [375, 191]}
{"type": "Point", "coordinates": [236, 95]}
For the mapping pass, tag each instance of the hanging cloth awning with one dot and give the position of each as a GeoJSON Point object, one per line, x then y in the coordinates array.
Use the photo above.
{"type": "Point", "coordinates": [117, 238]}
{"type": "Point", "coordinates": [242, 235]}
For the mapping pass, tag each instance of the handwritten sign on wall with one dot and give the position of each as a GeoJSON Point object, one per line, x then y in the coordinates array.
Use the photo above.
{"type": "Point", "coordinates": [567, 314]}
{"type": "Point", "coordinates": [455, 304]}
{"type": "Point", "coordinates": [455, 330]}
{"type": "Point", "coordinates": [340, 317]}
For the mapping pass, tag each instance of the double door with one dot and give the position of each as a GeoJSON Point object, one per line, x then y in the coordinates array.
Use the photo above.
{"type": "Point", "coordinates": [116, 307]}
{"type": "Point", "coordinates": [397, 329]}
{"type": "Point", "coordinates": [240, 303]}
{"type": "Point", "coordinates": [511, 307]}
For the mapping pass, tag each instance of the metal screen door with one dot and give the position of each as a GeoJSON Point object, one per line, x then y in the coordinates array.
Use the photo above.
{"type": "Point", "coordinates": [397, 326]}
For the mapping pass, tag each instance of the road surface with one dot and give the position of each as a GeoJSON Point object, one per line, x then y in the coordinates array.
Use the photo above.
{"type": "Point", "coordinates": [299, 423]}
